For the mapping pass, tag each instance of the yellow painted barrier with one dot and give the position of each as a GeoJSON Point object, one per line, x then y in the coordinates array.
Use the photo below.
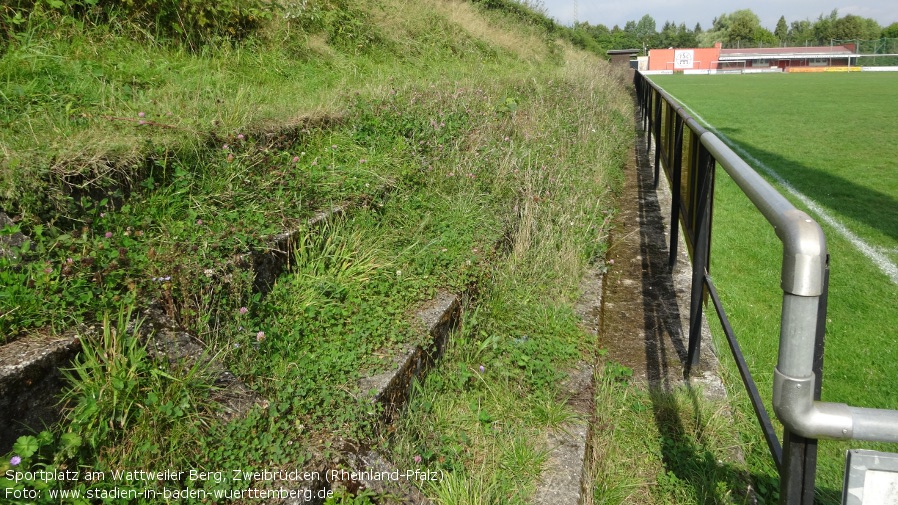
{"type": "Point", "coordinates": [822, 69]}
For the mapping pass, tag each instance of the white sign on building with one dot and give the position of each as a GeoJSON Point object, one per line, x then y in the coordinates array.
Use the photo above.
{"type": "Point", "coordinates": [684, 58]}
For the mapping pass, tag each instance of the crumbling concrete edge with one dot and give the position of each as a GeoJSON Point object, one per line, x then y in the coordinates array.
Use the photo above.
{"type": "Point", "coordinates": [390, 390]}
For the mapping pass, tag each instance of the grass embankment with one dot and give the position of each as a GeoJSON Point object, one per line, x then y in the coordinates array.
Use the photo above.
{"type": "Point", "coordinates": [140, 168]}
{"type": "Point", "coordinates": [829, 136]}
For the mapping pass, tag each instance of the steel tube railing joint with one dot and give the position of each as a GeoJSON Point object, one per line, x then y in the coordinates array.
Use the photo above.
{"type": "Point", "coordinates": [814, 419]}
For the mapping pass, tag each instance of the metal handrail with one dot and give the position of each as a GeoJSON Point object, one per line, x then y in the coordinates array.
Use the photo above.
{"type": "Point", "coordinates": [803, 279]}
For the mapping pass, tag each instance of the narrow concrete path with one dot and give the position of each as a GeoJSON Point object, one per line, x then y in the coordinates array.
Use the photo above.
{"type": "Point", "coordinates": [645, 317]}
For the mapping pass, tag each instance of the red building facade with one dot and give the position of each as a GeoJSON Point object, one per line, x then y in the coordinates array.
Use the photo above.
{"type": "Point", "coordinates": [777, 58]}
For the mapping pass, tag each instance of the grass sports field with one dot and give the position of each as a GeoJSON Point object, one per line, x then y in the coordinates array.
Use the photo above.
{"type": "Point", "coordinates": [829, 143]}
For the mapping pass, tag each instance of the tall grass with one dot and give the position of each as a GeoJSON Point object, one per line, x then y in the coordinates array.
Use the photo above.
{"type": "Point", "coordinates": [151, 169]}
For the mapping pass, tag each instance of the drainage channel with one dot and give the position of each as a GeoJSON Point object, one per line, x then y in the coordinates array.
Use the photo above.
{"type": "Point", "coordinates": [645, 305]}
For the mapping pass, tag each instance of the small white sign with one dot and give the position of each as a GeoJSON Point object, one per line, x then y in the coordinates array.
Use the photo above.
{"type": "Point", "coordinates": [684, 58]}
{"type": "Point", "coordinates": [871, 478]}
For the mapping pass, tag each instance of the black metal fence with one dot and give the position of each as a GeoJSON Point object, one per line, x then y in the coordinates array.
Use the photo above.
{"type": "Point", "coordinates": [690, 167]}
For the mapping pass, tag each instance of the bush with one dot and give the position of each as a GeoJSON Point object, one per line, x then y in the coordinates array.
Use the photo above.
{"type": "Point", "coordinates": [192, 22]}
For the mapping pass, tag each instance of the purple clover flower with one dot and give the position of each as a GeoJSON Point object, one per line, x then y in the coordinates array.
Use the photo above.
{"type": "Point", "coordinates": [15, 461]}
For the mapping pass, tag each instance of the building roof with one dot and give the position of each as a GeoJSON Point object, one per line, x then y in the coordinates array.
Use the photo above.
{"type": "Point", "coordinates": [757, 53]}
{"type": "Point", "coordinates": [624, 51]}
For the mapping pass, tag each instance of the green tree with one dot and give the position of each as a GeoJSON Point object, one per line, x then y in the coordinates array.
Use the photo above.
{"type": "Point", "coordinates": [645, 30]}
{"type": "Point", "coordinates": [782, 29]}
{"type": "Point", "coordinates": [685, 38]}
{"type": "Point", "coordinates": [823, 27]}
{"type": "Point", "coordinates": [626, 38]}
{"type": "Point", "coordinates": [745, 26]}
{"type": "Point", "coordinates": [742, 28]}
{"type": "Point", "coordinates": [890, 32]}
{"type": "Point", "coordinates": [855, 27]}
{"type": "Point", "coordinates": [801, 33]}
{"type": "Point", "coordinates": [668, 35]}
{"type": "Point", "coordinates": [765, 38]}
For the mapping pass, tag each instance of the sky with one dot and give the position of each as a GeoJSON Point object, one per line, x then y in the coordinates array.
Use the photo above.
{"type": "Point", "coordinates": [617, 12]}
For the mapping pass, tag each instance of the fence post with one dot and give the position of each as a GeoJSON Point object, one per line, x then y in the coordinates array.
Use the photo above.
{"type": "Point", "coordinates": [658, 103]}
{"type": "Point", "coordinates": [704, 177]}
{"type": "Point", "coordinates": [799, 471]}
{"type": "Point", "coordinates": [676, 178]}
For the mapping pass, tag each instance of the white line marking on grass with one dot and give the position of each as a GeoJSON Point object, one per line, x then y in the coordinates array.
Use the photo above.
{"type": "Point", "coordinates": [877, 257]}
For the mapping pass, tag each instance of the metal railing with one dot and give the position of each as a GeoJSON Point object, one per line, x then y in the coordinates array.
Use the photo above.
{"type": "Point", "coordinates": [689, 155]}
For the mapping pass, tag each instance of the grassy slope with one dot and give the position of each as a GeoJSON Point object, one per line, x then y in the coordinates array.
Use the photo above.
{"type": "Point", "coordinates": [149, 166]}
{"type": "Point", "coordinates": [787, 123]}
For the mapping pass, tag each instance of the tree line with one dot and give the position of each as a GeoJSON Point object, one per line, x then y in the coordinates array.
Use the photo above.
{"type": "Point", "coordinates": [741, 28]}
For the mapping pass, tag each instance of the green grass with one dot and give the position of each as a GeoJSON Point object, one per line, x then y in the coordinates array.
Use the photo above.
{"type": "Point", "coordinates": [656, 445]}
{"type": "Point", "coordinates": [828, 135]}
{"type": "Point", "coordinates": [143, 169]}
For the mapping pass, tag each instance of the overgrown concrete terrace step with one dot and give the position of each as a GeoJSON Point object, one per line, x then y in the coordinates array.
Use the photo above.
{"type": "Point", "coordinates": [30, 380]}
{"type": "Point", "coordinates": [183, 351]}
{"type": "Point", "coordinates": [567, 476]}
{"type": "Point", "coordinates": [364, 468]}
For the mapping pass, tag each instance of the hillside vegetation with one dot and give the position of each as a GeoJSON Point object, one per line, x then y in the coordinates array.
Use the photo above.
{"type": "Point", "coordinates": [142, 153]}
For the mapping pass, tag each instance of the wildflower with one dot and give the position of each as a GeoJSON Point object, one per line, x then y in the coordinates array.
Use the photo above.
{"type": "Point", "coordinates": [199, 222]}
{"type": "Point", "coordinates": [398, 272]}
{"type": "Point", "coordinates": [15, 460]}
{"type": "Point", "coordinates": [108, 234]}
{"type": "Point", "coordinates": [69, 261]}
{"type": "Point", "coordinates": [295, 159]}
{"type": "Point", "coordinates": [611, 262]}
{"type": "Point", "coordinates": [260, 336]}
{"type": "Point", "coordinates": [141, 114]}
{"type": "Point", "coordinates": [482, 369]}
{"type": "Point", "coordinates": [240, 136]}
{"type": "Point", "coordinates": [363, 160]}
{"type": "Point", "coordinates": [102, 214]}
{"type": "Point", "coordinates": [225, 147]}
{"type": "Point", "coordinates": [417, 458]}
{"type": "Point", "coordinates": [334, 146]}
{"type": "Point", "coordinates": [230, 158]}
{"type": "Point", "coordinates": [243, 310]}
